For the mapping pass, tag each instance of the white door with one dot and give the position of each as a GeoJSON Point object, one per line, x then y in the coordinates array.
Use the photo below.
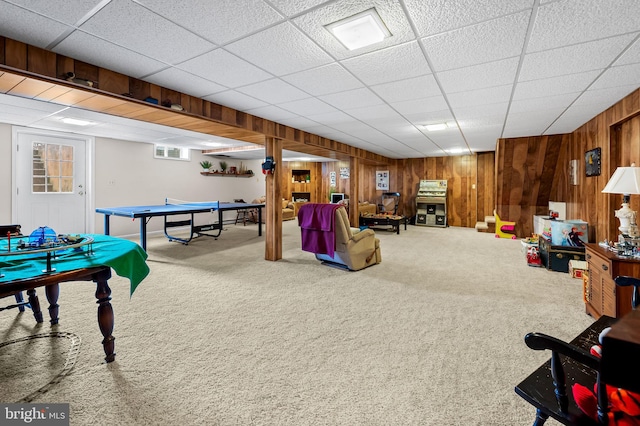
{"type": "Point", "coordinates": [50, 182]}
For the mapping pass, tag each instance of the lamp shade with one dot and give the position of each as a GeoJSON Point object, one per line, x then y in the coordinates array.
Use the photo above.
{"type": "Point", "coordinates": [625, 180]}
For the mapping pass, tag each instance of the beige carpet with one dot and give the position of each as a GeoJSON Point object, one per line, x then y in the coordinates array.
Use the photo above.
{"type": "Point", "coordinates": [216, 335]}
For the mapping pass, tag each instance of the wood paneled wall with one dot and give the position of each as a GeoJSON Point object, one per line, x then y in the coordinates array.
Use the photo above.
{"type": "Point", "coordinates": [616, 132]}
{"type": "Point", "coordinates": [526, 171]}
{"type": "Point", "coordinates": [532, 171]}
{"type": "Point", "coordinates": [315, 171]}
{"type": "Point", "coordinates": [469, 179]}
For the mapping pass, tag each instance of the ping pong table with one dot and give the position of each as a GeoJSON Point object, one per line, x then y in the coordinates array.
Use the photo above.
{"type": "Point", "coordinates": [145, 213]}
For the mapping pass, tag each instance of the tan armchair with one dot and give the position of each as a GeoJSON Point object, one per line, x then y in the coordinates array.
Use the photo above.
{"type": "Point", "coordinates": [353, 248]}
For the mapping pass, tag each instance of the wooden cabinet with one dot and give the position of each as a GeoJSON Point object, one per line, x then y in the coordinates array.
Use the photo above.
{"type": "Point", "coordinates": [602, 296]}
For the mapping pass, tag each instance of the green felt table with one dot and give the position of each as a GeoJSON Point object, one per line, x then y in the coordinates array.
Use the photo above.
{"type": "Point", "coordinates": [23, 271]}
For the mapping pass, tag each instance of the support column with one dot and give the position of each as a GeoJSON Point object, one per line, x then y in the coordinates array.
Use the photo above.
{"type": "Point", "coordinates": [354, 193]}
{"type": "Point", "coordinates": [273, 192]}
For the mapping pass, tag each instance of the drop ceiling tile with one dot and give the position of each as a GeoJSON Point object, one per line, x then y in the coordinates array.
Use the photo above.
{"type": "Point", "coordinates": [391, 13]}
{"type": "Point", "coordinates": [332, 78]}
{"type": "Point", "coordinates": [301, 123]}
{"type": "Point", "coordinates": [331, 118]}
{"type": "Point", "coordinates": [489, 95]}
{"type": "Point", "coordinates": [271, 112]}
{"type": "Point", "coordinates": [280, 50]}
{"type": "Point", "coordinates": [391, 64]}
{"type": "Point", "coordinates": [352, 99]}
{"type": "Point", "coordinates": [358, 129]}
{"type": "Point", "coordinates": [18, 24]}
{"type": "Point", "coordinates": [436, 16]}
{"type": "Point", "coordinates": [130, 25]}
{"type": "Point", "coordinates": [572, 119]}
{"type": "Point", "coordinates": [483, 140]}
{"type": "Point", "coordinates": [373, 113]}
{"type": "Point", "coordinates": [218, 21]}
{"type": "Point", "coordinates": [419, 106]}
{"type": "Point", "coordinates": [291, 8]}
{"type": "Point", "coordinates": [236, 100]}
{"type": "Point", "coordinates": [625, 75]}
{"type": "Point", "coordinates": [484, 42]}
{"type": "Point", "coordinates": [68, 12]}
{"type": "Point", "coordinates": [631, 56]}
{"type": "Point", "coordinates": [536, 105]}
{"type": "Point", "coordinates": [433, 117]}
{"type": "Point", "coordinates": [29, 106]}
{"type": "Point", "coordinates": [475, 77]}
{"type": "Point", "coordinates": [448, 139]}
{"type": "Point", "coordinates": [526, 123]}
{"type": "Point", "coordinates": [554, 85]}
{"type": "Point", "coordinates": [17, 117]}
{"type": "Point", "coordinates": [423, 86]}
{"type": "Point", "coordinates": [107, 55]}
{"type": "Point", "coordinates": [273, 91]}
{"type": "Point", "coordinates": [577, 21]}
{"type": "Point", "coordinates": [224, 68]}
{"type": "Point", "coordinates": [184, 82]}
{"type": "Point", "coordinates": [604, 98]}
{"type": "Point", "coordinates": [481, 115]}
{"type": "Point", "coordinates": [594, 55]}
{"type": "Point", "coordinates": [308, 106]}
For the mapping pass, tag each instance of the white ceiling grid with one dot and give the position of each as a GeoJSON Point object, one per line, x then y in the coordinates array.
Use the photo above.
{"type": "Point", "coordinates": [489, 68]}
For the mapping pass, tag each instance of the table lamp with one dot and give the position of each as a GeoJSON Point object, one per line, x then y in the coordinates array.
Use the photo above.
{"type": "Point", "coordinates": [625, 181]}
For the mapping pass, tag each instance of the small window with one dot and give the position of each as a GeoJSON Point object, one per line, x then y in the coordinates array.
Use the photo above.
{"type": "Point", "coordinates": [52, 168]}
{"type": "Point", "coordinates": [171, 152]}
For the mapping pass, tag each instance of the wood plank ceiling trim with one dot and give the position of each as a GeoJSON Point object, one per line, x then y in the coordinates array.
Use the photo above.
{"type": "Point", "coordinates": [16, 78]}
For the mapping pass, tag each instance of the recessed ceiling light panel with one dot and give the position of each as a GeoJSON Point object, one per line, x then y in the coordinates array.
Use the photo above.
{"type": "Point", "coordinates": [360, 30]}
{"type": "Point", "coordinates": [75, 121]}
{"type": "Point", "coordinates": [435, 127]}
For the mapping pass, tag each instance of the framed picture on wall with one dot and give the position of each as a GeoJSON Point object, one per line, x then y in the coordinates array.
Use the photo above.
{"type": "Point", "coordinates": [382, 180]}
{"type": "Point", "coordinates": [332, 179]}
{"type": "Point", "coordinates": [592, 162]}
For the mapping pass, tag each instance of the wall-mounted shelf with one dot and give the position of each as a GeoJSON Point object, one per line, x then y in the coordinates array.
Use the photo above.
{"type": "Point", "coordinates": [300, 176]}
{"type": "Point", "coordinates": [245, 175]}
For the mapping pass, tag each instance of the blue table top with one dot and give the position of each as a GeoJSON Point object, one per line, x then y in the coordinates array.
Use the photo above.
{"type": "Point", "coordinates": [167, 209]}
{"type": "Point", "coordinates": [125, 257]}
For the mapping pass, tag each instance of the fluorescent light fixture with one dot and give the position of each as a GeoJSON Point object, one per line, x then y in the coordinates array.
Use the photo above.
{"type": "Point", "coordinates": [213, 144]}
{"type": "Point", "coordinates": [360, 30]}
{"type": "Point", "coordinates": [456, 150]}
{"type": "Point", "coordinates": [435, 127]}
{"type": "Point", "coordinates": [75, 121]}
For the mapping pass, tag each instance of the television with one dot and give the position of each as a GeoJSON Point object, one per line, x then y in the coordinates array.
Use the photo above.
{"type": "Point", "coordinates": [336, 197]}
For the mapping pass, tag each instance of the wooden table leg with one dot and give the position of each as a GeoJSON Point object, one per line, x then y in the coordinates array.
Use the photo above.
{"type": "Point", "coordinates": [35, 304]}
{"type": "Point", "coordinates": [52, 292]}
{"type": "Point", "coordinates": [105, 313]}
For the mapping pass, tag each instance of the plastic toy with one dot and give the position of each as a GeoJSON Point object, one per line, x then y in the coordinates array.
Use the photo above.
{"type": "Point", "coordinates": [504, 229]}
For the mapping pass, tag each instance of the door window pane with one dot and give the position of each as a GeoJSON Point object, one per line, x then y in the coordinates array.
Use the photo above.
{"type": "Point", "coordinates": [52, 168]}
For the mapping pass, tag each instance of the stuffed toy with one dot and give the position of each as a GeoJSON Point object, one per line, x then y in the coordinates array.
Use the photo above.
{"type": "Point", "coordinates": [624, 406]}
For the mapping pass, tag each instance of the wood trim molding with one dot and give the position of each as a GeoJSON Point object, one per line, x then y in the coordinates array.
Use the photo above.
{"type": "Point", "coordinates": [32, 72]}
